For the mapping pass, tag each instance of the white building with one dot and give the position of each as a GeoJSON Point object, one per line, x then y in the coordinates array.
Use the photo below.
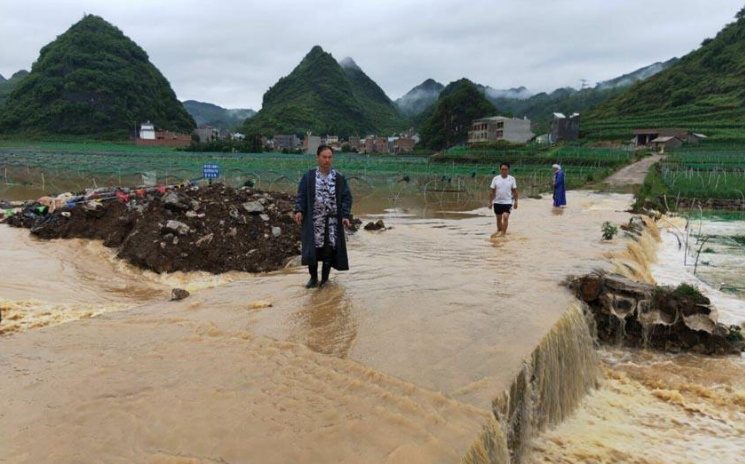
{"type": "Point", "coordinates": [147, 131]}
{"type": "Point", "coordinates": [499, 128]}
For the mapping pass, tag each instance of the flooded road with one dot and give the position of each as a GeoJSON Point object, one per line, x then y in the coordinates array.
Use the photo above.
{"type": "Point", "coordinates": [396, 361]}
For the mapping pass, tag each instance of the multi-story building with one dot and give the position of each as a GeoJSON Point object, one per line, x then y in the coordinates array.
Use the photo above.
{"type": "Point", "coordinates": [380, 145]}
{"type": "Point", "coordinates": [562, 128]}
{"type": "Point", "coordinates": [500, 128]}
{"type": "Point", "coordinates": [311, 144]}
{"type": "Point", "coordinates": [286, 142]}
{"type": "Point", "coordinates": [355, 143]}
{"type": "Point", "coordinates": [404, 145]}
{"type": "Point", "coordinates": [205, 133]}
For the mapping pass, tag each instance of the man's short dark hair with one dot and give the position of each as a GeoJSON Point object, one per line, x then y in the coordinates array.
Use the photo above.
{"type": "Point", "coordinates": [323, 147]}
{"type": "Point", "coordinates": [504, 164]}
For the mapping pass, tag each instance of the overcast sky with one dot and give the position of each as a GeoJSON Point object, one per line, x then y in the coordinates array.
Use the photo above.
{"type": "Point", "coordinates": [230, 51]}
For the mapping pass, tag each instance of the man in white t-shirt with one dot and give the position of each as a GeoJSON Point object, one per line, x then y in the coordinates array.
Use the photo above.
{"type": "Point", "coordinates": [502, 196]}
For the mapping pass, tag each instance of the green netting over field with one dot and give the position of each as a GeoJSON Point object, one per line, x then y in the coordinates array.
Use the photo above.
{"type": "Point", "coordinates": [56, 168]}
{"type": "Point", "coordinates": [706, 172]}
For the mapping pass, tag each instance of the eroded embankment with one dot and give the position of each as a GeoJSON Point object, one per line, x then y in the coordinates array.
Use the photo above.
{"type": "Point", "coordinates": [655, 407]}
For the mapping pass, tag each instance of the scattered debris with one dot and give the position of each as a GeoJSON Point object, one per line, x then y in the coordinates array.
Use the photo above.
{"type": "Point", "coordinates": [179, 294]}
{"type": "Point", "coordinates": [254, 207]}
{"type": "Point", "coordinates": [379, 225]}
{"type": "Point", "coordinates": [260, 304]}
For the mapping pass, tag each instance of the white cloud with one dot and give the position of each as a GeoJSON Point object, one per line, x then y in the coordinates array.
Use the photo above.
{"type": "Point", "coordinates": [229, 52]}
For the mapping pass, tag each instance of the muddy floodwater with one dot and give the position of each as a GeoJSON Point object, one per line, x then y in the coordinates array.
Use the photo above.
{"type": "Point", "coordinates": [397, 361]}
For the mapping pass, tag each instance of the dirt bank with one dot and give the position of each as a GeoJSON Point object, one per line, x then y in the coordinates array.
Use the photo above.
{"type": "Point", "coordinates": [212, 228]}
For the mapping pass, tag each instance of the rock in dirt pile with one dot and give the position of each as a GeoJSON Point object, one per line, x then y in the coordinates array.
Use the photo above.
{"type": "Point", "coordinates": [213, 228]}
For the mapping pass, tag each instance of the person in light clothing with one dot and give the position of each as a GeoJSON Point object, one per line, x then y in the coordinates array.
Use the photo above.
{"type": "Point", "coordinates": [503, 197]}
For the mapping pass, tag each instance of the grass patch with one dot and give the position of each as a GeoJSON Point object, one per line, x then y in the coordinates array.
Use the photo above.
{"type": "Point", "coordinates": [686, 290]}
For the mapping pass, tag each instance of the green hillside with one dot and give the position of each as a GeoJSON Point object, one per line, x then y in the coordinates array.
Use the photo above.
{"type": "Point", "coordinates": [217, 116]}
{"type": "Point", "coordinates": [540, 107]}
{"type": "Point", "coordinates": [448, 121]}
{"type": "Point", "coordinates": [319, 96]}
{"type": "Point", "coordinates": [704, 92]}
{"type": "Point", "coordinates": [377, 107]}
{"type": "Point", "coordinates": [92, 81]}
{"type": "Point", "coordinates": [419, 98]}
{"type": "Point", "coordinates": [7, 86]}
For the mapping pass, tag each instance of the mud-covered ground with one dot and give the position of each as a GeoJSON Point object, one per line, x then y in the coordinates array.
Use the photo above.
{"type": "Point", "coordinates": [213, 228]}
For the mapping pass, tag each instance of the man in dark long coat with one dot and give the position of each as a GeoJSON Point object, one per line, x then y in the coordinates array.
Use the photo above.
{"type": "Point", "coordinates": [323, 204]}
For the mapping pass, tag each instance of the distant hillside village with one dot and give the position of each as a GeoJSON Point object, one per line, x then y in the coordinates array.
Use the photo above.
{"type": "Point", "coordinates": [484, 130]}
{"type": "Point", "coordinates": [400, 143]}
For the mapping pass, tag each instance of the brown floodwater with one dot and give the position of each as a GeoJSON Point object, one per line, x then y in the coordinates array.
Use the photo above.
{"type": "Point", "coordinates": [397, 361]}
{"type": "Point", "coordinates": [657, 408]}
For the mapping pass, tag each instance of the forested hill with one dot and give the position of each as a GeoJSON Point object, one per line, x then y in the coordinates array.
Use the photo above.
{"type": "Point", "coordinates": [320, 96]}
{"type": "Point", "coordinates": [216, 116]}
{"type": "Point", "coordinates": [704, 91]}
{"type": "Point", "coordinates": [7, 85]}
{"type": "Point", "coordinates": [447, 121]}
{"type": "Point", "coordinates": [92, 81]}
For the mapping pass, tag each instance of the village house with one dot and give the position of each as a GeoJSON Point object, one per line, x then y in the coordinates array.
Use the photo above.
{"type": "Point", "coordinates": [205, 133]}
{"type": "Point", "coordinates": [411, 134]}
{"type": "Point", "coordinates": [661, 143]}
{"type": "Point", "coordinates": [392, 144]}
{"type": "Point", "coordinates": [355, 143]}
{"type": "Point", "coordinates": [367, 144]}
{"type": "Point", "coordinates": [404, 145]}
{"type": "Point", "coordinates": [380, 145]}
{"type": "Point", "coordinates": [563, 129]}
{"type": "Point", "coordinates": [647, 137]}
{"type": "Point", "coordinates": [286, 142]}
{"type": "Point", "coordinates": [311, 144]}
{"type": "Point", "coordinates": [147, 131]}
{"type": "Point", "coordinates": [500, 128]}
{"type": "Point", "coordinates": [149, 136]}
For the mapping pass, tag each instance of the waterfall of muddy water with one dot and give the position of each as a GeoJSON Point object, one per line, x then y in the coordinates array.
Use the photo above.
{"type": "Point", "coordinates": [654, 407]}
{"type": "Point", "coordinates": [402, 359]}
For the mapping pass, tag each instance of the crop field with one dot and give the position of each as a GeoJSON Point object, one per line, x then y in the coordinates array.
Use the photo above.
{"type": "Point", "coordinates": [705, 173]}
{"type": "Point", "coordinates": [56, 168]}
{"type": "Point", "coordinates": [720, 124]}
{"type": "Point", "coordinates": [582, 165]}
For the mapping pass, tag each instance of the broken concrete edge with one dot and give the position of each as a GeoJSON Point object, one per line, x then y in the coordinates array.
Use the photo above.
{"type": "Point", "coordinates": [641, 315]}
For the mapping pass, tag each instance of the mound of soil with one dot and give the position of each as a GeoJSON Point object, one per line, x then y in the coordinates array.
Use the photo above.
{"type": "Point", "coordinates": [212, 228]}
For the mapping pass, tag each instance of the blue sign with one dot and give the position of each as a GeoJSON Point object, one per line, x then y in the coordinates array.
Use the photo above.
{"type": "Point", "coordinates": [211, 171]}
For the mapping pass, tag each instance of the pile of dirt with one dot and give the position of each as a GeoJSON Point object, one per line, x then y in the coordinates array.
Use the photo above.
{"type": "Point", "coordinates": [213, 228]}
